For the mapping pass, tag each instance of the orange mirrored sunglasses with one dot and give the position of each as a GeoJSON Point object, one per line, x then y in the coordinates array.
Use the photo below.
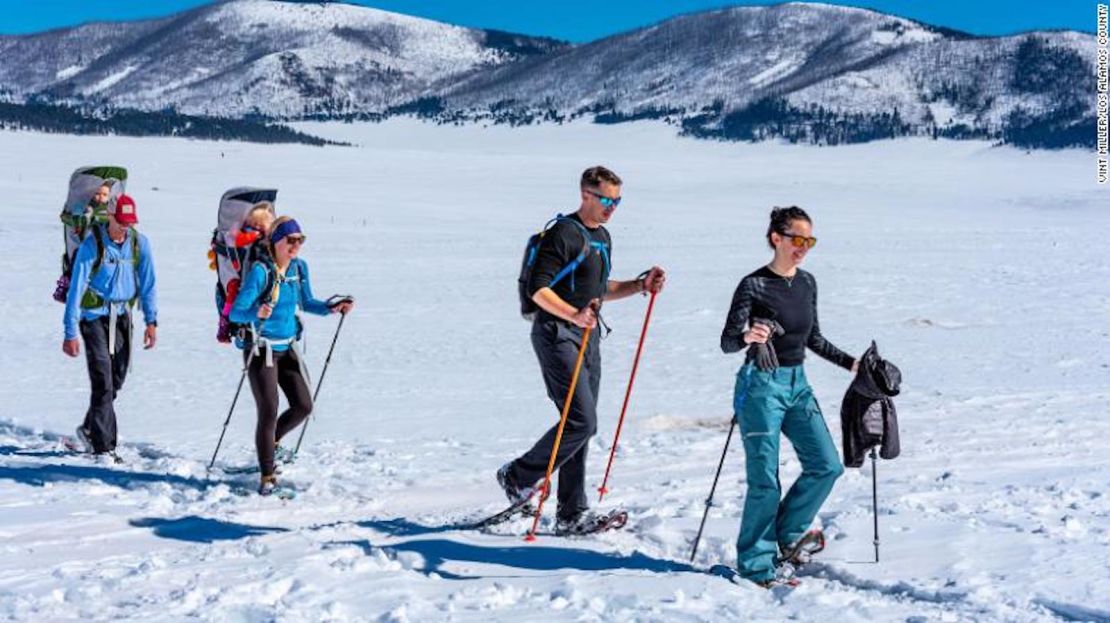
{"type": "Point", "coordinates": [800, 241]}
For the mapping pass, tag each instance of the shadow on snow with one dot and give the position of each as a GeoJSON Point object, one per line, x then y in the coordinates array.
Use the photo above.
{"type": "Point", "coordinates": [40, 475]}
{"type": "Point", "coordinates": [200, 529]}
{"type": "Point", "coordinates": [436, 553]}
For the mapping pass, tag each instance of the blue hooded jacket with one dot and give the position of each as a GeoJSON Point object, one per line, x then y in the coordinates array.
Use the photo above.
{"type": "Point", "coordinates": [115, 281]}
{"type": "Point", "coordinates": [295, 289]}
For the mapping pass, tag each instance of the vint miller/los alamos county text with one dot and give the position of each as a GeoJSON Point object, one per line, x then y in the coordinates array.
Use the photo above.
{"type": "Point", "coordinates": [1103, 102]}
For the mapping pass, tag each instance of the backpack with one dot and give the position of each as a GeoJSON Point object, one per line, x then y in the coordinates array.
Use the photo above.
{"type": "Point", "coordinates": [78, 217]}
{"type": "Point", "coordinates": [528, 307]}
{"type": "Point", "coordinates": [92, 298]}
{"type": "Point", "coordinates": [231, 262]}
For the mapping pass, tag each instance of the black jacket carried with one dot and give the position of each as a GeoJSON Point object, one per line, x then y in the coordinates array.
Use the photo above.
{"type": "Point", "coordinates": [867, 415]}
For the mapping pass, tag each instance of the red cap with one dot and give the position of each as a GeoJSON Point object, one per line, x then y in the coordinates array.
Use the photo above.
{"type": "Point", "coordinates": [124, 210]}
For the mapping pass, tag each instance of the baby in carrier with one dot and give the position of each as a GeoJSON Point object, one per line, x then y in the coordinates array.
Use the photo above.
{"type": "Point", "coordinates": [255, 227]}
{"type": "Point", "coordinates": [78, 223]}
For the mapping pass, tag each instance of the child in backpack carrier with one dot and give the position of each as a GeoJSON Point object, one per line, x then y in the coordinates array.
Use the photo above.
{"type": "Point", "coordinates": [95, 211]}
{"type": "Point", "coordinates": [256, 226]}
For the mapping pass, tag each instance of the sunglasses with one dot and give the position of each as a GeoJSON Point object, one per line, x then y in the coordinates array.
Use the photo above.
{"type": "Point", "coordinates": [608, 203]}
{"type": "Point", "coordinates": [295, 241]}
{"type": "Point", "coordinates": [799, 241]}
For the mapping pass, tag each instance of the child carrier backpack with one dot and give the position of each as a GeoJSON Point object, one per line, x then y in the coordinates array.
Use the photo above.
{"type": "Point", "coordinates": [79, 215]}
{"type": "Point", "coordinates": [233, 251]}
{"type": "Point", "coordinates": [528, 307]}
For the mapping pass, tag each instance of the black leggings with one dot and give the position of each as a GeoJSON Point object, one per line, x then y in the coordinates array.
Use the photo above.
{"type": "Point", "coordinates": [265, 380]}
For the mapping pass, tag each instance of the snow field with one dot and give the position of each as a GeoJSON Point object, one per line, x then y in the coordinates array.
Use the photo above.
{"type": "Point", "coordinates": [977, 270]}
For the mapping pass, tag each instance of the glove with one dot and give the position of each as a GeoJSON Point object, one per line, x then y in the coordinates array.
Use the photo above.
{"type": "Point", "coordinates": [338, 299]}
{"type": "Point", "coordinates": [765, 357]}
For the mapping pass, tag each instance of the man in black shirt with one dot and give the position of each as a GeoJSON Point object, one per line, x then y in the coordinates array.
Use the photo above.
{"type": "Point", "coordinates": [568, 303]}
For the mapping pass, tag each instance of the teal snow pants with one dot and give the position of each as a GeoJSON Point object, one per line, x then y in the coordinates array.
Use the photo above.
{"type": "Point", "coordinates": [766, 404]}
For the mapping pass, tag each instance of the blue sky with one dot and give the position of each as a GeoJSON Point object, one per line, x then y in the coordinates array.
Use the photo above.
{"type": "Point", "coordinates": [585, 20]}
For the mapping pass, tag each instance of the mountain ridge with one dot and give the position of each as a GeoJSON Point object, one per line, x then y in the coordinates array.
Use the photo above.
{"type": "Point", "coordinates": [721, 73]}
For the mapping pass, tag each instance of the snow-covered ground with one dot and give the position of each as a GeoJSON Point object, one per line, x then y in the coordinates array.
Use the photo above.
{"type": "Point", "coordinates": [980, 271]}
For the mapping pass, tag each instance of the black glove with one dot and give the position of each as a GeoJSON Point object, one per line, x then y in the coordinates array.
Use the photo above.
{"type": "Point", "coordinates": [765, 357]}
{"type": "Point", "coordinates": [338, 299]}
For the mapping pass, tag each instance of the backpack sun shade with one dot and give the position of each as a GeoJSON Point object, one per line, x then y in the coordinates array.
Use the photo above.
{"type": "Point", "coordinates": [78, 216]}
{"type": "Point", "coordinates": [227, 256]}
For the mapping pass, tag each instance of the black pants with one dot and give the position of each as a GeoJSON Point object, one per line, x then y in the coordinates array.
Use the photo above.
{"type": "Point", "coordinates": [106, 374]}
{"type": "Point", "coordinates": [556, 344]}
{"type": "Point", "coordinates": [265, 380]}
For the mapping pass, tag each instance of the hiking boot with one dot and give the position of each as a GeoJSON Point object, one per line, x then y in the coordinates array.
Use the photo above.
{"type": "Point", "coordinates": [268, 484]}
{"type": "Point", "coordinates": [84, 439]}
{"type": "Point", "coordinates": [516, 494]}
{"type": "Point", "coordinates": [583, 522]}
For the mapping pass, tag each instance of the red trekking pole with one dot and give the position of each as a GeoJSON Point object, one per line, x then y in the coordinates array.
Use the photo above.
{"type": "Point", "coordinates": [546, 488]}
{"type": "Point", "coordinates": [602, 490]}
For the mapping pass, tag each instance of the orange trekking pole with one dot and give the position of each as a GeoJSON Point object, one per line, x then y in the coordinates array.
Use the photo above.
{"type": "Point", "coordinates": [602, 490]}
{"type": "Point", "coordinates": [545, 490]}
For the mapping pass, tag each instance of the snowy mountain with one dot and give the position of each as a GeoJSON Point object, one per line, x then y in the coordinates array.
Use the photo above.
{"type": "Point", "coordinates": [281, 59]}
{"type": "Point", "coordinates": [743, 69]}
{"type": "Point", "coordinates": [809, 72]}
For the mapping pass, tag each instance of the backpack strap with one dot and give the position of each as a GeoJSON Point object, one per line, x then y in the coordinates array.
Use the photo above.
{"type": "Point", "coordinates": [94, 299]}
{"type": "Point", "coordinates": [98, 235]}
{"type": "Point", "coordinates": [272, 279]}
{"type": "Point", "coordinates": [589, 244]}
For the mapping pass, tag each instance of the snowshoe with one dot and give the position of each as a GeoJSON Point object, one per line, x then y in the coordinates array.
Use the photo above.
{"type": "Point", "coordinates": [588, 522]}
{"type": "Point", "coordinates": [802, 551]}
{"type": "Point", "coordinates": [784, 577]}
{"type": "Point", "coordinates": [284, 455]}
{"type": "Point", "coordinates": [108, 458]}
{"type": "Point", "coordinates": [269, 487]}
{"type": "Point", "coordinates": [523, 509]}
{"type": "Point", "coordinates": [235, 470]}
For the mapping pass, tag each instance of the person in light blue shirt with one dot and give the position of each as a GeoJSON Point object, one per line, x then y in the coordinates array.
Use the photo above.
{"type": "Point", "coordinates": [268, 301]}
{"type": "Point", "coordinates": [112, 270]}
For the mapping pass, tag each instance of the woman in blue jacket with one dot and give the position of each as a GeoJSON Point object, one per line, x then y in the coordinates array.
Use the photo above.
{"type": "Point", "coordinates": [268, 301]}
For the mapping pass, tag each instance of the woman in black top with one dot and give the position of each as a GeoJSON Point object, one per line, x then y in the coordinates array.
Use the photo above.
{"type": "Point", "coordinates": [774, 311]}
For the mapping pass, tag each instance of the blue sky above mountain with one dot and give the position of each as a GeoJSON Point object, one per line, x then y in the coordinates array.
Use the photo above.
{"type": "Point", "coordinates": [583, 20]}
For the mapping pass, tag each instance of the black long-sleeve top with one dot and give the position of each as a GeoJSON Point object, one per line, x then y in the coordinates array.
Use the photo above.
{"type": "Point", "coordinates": [560, 245]}
{"type": "Point", "coordinates": [793, 303]}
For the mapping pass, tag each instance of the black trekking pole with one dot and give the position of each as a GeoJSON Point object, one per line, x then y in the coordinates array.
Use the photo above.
{"type": "Point", "coordinates": [327, 361]}
{"type": "Point", "coordinates": [234, 401]}
{"type": "Point", "coordinates": [875, 501]}
{"type": "Point", "coordinates": [712, 490]}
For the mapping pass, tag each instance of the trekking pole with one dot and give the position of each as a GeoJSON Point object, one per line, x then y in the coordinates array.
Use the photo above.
{"type": "Point", "coordinates": [712, 490]}
{"type": "Point", "coordinates": [875, 501]}
{"type": "Point", "coordinates": [234, 401]}
{"type": "Point", "coordinates": [602, 490]}
{"type": "Point", "coordinates": [546, 488]}
{"type": "Point", "coordinates": [320, 382]}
